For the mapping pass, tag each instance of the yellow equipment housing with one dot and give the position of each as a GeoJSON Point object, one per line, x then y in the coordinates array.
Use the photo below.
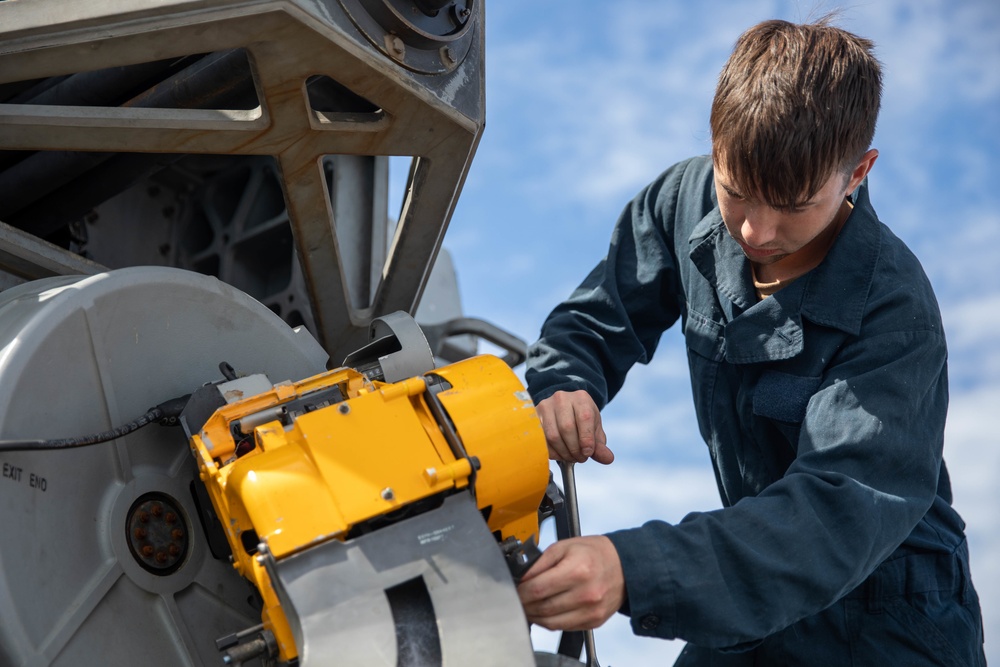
{"type": "Point", "coordinates": [371, 452]}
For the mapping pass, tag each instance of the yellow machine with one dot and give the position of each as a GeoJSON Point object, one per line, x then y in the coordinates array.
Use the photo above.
{"type": "Point", "coordinates": [339, 455]}
{"type": "Point", "coordinates": [378, 514]}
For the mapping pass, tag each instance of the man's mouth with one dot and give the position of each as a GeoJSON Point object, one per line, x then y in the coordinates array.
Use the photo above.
{"type": "Point", "coordinates": [755, 253]}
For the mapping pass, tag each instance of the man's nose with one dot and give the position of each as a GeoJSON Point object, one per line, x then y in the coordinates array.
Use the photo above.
{"type": "Point", "coordinates": [760, 226]}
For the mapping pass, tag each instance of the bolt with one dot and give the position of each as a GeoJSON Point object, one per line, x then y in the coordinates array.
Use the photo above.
{"type": "Point", "coordinates": [395, 46]}
{"type": "Point", "coordinates": [157, 510]}
{"type": "Point", "coordinates": [388, 494]}
{"type": "Point", "coordinates": [147, 551]}
{"type": "Point", "coordinates": [176, 534]}
{"type": "Point", "coordinates": [161, 557]}
{"type": "Point", "coordinates": [343, 408]}
{"type": "Point", "coordinates": [170, 518]}
{"type": "Point", "coordinates": [140, 533]}
{"type": "Point", "coordinates": [144, 517]}
{"type": "Point", "coordinates": [447, 55]}
{"type": "Point", "coordinates": [174, 549]}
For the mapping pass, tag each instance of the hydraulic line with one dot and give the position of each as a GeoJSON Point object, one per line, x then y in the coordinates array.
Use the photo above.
{"type": "Point", "coordinates": [165, 414]}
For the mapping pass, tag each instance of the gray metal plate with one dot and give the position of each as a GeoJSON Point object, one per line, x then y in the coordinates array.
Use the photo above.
{"type": "Point", "coordinates": [79, 355]}
{"type": "Point", "coordinates": [352, 600]}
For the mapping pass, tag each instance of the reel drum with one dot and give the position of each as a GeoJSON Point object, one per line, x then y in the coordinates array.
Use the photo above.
{"type": "Point", "coordinates": [104, 558]}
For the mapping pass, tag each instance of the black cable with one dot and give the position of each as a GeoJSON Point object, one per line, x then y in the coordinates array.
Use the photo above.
{"type": "Point", "coordinates": [166, 414]}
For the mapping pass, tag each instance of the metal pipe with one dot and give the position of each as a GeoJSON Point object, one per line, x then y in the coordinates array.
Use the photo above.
{"type": "Point", "coordinates": [37, 87]}
{"type": "Point", "coordinates": [573, 513]}
{"type": "Point", "coordinates": [109, 87]}
{"type": "Point", "coordinates": [106, 87]}
{"type": "Point", "coordinates": [40, 192]}
{"type": "Point", "coordinates": [218, 81]}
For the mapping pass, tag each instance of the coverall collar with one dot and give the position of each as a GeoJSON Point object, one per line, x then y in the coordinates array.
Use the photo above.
{"type": "Point", "coordinates": [833, 294]}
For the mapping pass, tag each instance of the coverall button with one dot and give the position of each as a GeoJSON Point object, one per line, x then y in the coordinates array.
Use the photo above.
{"type": "Point", "coordinates": [649, 622]}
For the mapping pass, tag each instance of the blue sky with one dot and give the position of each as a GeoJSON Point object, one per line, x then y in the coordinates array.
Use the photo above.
{"type": "Point", "coordinates": [588, 101]}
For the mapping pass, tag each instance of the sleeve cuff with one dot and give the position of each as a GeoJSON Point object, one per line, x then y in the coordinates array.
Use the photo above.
{"type": "Point", "coordinates": [649, 585]}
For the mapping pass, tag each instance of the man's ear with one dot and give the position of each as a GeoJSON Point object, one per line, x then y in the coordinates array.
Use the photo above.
{"type": "Point", "coordinates": [864, 166]}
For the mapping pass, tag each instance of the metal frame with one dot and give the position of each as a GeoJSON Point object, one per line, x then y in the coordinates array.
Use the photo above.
{"type": "Point", "coordinates": [31, 258]}
{"type": "Point", "coordinates": [437, 119]}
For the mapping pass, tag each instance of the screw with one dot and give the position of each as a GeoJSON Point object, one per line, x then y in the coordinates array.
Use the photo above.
{"type": "Point", "coordinates": [343, 408]}
{"type": "Point", "coordinates": [388, 494]}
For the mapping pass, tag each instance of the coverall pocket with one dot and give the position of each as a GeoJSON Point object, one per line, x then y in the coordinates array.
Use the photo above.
{"type": "Point", "coordinates": [703, 336]}
{"type": "Point", "coordinates": [936, 628]}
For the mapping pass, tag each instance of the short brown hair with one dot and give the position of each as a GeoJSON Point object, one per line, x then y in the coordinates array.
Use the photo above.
{"type": "Point", "coordinates": [794, 104]}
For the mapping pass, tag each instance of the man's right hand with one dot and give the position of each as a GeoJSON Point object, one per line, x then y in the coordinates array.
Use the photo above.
{"type": "Point", "coordinates": [572, 425]}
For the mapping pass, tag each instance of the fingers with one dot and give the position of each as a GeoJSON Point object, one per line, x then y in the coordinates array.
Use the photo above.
{"type": "Point", "coordinates": [573, 430]}
{"type": "Point", "coordinates": [603, 454]}
{"type": "Point", "coordinates": [576, 584]}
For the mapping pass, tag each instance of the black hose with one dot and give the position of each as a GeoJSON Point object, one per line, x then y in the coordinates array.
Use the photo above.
{"type": "Point", "coordinates": [166, 414]}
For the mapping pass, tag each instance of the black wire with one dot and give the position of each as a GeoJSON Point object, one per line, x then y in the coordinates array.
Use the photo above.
{"type": "Point", "coordinates": [96, 438]}
{"type": "Point", "coordinates": [165, 413]}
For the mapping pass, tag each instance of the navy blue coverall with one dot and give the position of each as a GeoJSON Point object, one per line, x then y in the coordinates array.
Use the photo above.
{"type": "Point", "coordinates": [823, 408]}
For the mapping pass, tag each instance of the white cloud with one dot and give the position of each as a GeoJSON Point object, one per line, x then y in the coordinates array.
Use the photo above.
{"type": "Point", "coordinates": [934, 41]}
{"type": "Point", "coordinates": [971, 326]}
{"type": "Point", "coordinates": [972, 452]}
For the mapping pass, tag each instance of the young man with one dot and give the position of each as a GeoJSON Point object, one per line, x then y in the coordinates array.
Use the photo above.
{"type": "Point", "coordinates": [818, 365]}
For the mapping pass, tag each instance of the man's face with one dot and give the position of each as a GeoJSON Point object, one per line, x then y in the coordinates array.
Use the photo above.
{"type": "Point", "coordinates": [768, 235]}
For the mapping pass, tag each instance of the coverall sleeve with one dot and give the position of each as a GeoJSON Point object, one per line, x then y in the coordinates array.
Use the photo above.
{"type": "Point", "coordinates": [866, 472]}
{"type": "Point", "coordinates": [615, 317]}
